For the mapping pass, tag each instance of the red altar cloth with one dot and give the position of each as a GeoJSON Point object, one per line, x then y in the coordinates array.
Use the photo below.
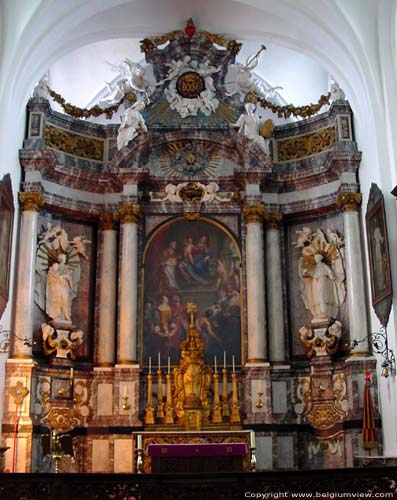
{"type": "Point", "coordinates": [197, 450]}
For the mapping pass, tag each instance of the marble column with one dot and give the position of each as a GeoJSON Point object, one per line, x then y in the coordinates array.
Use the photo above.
{"type": "Point", "coordinates": [274, 283]}
{"type": "Point", "coordinates": [253, 215]}
{"type": "Point", "coordinates": [127, 344]}
{"type": "Point", "coordinates": [22, 341]}
{"type": "Point", "coordinates": [349, 204]}
{"type": "Point", "coordinates": [107, 292]}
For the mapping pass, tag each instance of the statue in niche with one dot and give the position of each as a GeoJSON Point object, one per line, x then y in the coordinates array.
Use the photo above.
{"type": "Point", "coordinates": [133, 123]}
{"type": "Point", "coordinates": [249, 125]}
{"type": "Point", "coordinates": [321, 272]}
{"type": "Point", "coordinates": [58, 271]}
{"type": "Point", "coordinates": [132, 80]}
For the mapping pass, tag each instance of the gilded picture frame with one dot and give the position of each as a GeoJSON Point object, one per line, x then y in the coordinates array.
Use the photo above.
{"type": "Point", "coordinates": [6, 226]}
{"type": "Point", "coordinates": [378, 253]}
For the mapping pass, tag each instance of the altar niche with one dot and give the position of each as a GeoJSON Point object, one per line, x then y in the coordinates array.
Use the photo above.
{"type": "Point", "coordinates": [191, 261]}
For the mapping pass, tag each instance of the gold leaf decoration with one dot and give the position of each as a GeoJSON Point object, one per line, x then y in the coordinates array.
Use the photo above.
{"type": "Point", "coordinates": [74, 144]}
{"type": "Point", "coordinates": [306, 145]}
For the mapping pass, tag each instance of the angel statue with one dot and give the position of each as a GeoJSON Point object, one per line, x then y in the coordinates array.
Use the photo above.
{"type": "Point", "coordinates": [321, 273]}
{"type": "Point", "coordinates": [132, 80]}
{"type": "Point", "coordinates": [246, 83]}
{"type": "Point", "coordinates": [58, 271]}
{"type": "Point", "coordinates": [249, 124]}
{"type": "Point", "coordinates": [133, 123]}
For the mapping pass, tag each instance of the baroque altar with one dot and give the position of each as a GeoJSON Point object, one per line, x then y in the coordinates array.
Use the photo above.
{"type": "Point", "coordinates": [195, 268]}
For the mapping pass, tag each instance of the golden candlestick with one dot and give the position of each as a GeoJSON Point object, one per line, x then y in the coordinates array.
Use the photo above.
{"type": "Point", "coordinates": [169, 418]}
{"type": "Point", "coordinates": [225, 396]}
{"type": "Point", "coordinates": [149, 415]}
{"type": "Point", "coordinates": [235, 413]}
{"type": "Point", "coordinates": [160, 402]}
{"type": "Point", "coordinates": [259, 403]}
{"type": "Point", "coordinates": [216, 413]}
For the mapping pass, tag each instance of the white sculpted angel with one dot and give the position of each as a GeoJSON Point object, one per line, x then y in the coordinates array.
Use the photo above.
{"type": "Point", "coordinates": [133, 123]}
{"type": "Point", "coordinates": [249, 124]}
{"type": "Point", "coordinates": [132, 79]}
{"type": "Point", "coordinates": [321, 273]}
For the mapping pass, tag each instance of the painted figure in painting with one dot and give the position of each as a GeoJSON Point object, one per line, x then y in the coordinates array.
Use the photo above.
{"type": "Point", "coordinates": [192, 261]}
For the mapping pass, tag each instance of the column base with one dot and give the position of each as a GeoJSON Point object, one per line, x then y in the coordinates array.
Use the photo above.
{"type": "Point", "coordinates": [104, 365]}
{"type": "Point", "coordinates": [22, 356]}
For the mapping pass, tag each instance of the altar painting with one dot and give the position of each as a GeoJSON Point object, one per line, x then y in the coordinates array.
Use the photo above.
{"type": "Point", "coordinates": [191, 261]}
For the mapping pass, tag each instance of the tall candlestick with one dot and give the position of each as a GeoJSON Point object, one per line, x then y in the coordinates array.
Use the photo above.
{"type": "Point", "coordinates": [215, 364]}
{"type": "Point", "coordinates": [159, 362]}
{"type": "Point", "coordinates": [233, 364]}
{"type": "Point", "coordinates": [150, 365]}
{"type": "Point", "coordinates": [224, 360]}
{"type": "Point", "coordinates": [169, 371]}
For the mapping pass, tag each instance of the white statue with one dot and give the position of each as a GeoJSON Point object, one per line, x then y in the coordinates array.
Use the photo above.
{"type": "Point", "coordinates": [59, 289]}
{"type": "Point", "coordinates": [246, 83]}
{"type": "Point", "coordinates": [133, 123]}
{"type": "Point", "coordinates": [337, 93]}
{"type": "Point", "coordinates": [249, 124]}
{"type": "Point", "coordinates": [132, 80]}
{"type": "Point", "coordinates": [58, 271]}
{"type": "Point", "coordinates": [41, 88]}
{"type": "Point", "coordinates": [321, 274]}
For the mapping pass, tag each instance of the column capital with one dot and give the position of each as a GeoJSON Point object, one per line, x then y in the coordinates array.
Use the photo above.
{"type": "Point", "coordinates": [31, 201]}
{"type": "Point", "coordinates": [349, 202]}
{"type": "Point", "coordinates": [253, 213]}
{"type": "Point", "coordinates": [273, 220]}
{"type": "Point", "coordinates": [130, 213]}
{"type": "Point", "coordinates": [108, 221]}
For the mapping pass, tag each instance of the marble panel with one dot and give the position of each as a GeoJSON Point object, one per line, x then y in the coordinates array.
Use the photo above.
{"type": "Point", "coordinates": [279, 397]}
{"type": "Point", "coordinates": [264, 452]}
{"type": "Point", "coordinates": [105, 400]}
{"type": "Point", "coordinates": [100, 455]}
{"type": "Point", "coordinates": [123, 456]}
{"type": "Point", "coordinates": [285, 452]}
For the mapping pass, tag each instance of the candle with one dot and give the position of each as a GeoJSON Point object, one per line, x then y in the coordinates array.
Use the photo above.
{"type": "Point", "coordinates": [259, 386]}
{"type": "Point", "coordinates": [71, 373]}
{"type": "Point", "coordinates": [224, 360]}
{"type": "Point", "coordinates": [233, 364]}
{"type": "Point", "coordinates": [169, 371]}
{"type": "Point", "coordinates": [215, 364]}
{"type": "Point", "coordinates": [125, 391]}
{"type": "Point", "coordinates": [159, 362]}
{"type": "Point", "coordinates": [312, 369]}
{"type": "Point", "coordinates": [252, 439]}
{"type": "Point", "coordinates": [150, 365]}
{"type": "Point", "coordinates": [139, 441]}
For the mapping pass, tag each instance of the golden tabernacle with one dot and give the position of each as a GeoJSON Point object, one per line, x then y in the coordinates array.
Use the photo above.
{"type": "Point", "coordinates": [190, 404]}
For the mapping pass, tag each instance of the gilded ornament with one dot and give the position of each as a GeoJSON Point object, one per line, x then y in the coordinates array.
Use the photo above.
{"type": "Point", "coordinates": [130, 213]}
{"type": "Point", "coordinates": [349, 202]}
{"type": "Point", "coordinates": [18, 392]}
{"type": "Point", "coordinates": [108, 221]}
{"type": "Point", "coordinates": [323, 415]}
{"type": "Point", "coordinates": [60, 419]}
{"type": "Point", "coordinates": [314, 143]}
{"type": "Point", "coordinates": [290, 109]}
{"type": "Point", "coordinates": [77, 112]}
{"type": "Point", "coordinates": [31, 201]}
{"type": "Point", "coordinates": [74, 144]}
{"type": "Point", "coordinates": [267, 128]}
{"type": "Point", "coordinates": [339, 388]}
{"type": "Point", "coordinates": [192, 192]}
{"type": "Point", "coordinates": [253, 213]}
{"type": "Point", "coordinates": [273, 220]}
{"type": "Point", "coordinates": [81, 399]}
{"type": "Point", "coordinates": [192, 216]}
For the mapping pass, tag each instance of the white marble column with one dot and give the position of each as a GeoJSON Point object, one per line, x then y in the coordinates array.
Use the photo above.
{"type": "Point", "coordinates": [107, 292]}
{"type": "Point", "coordinates": [274, 286]}
{"type": "Point", "coordinates": [127, 344]}
{"type": "Point", "coordinates": [349, 204]}
{"type": "Point", "coordinates": [255, 284]}
{"type": "Point", "coordinates": [23, 318]}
